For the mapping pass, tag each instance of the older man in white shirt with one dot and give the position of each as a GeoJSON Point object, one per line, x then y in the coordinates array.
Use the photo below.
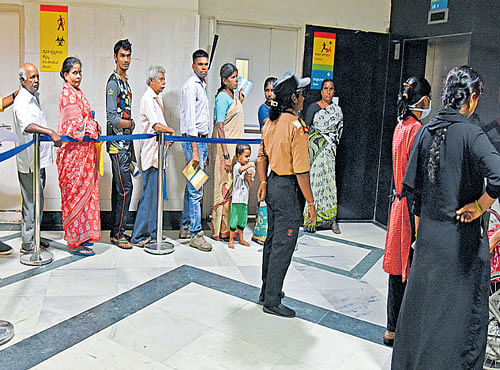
{"type": "Point", "coordinates": [152, 121]}
{"type": "Point", "coordinates": [29, 119]}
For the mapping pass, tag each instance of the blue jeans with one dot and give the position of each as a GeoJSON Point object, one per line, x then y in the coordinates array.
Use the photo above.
{"type": "Point", "coordinates": [191, 213]}
{"type": "Point", "coordinates": [146, 219]}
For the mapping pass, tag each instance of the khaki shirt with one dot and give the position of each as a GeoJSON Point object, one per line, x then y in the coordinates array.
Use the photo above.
{"type": "Point", "coordinates": [286, 145]}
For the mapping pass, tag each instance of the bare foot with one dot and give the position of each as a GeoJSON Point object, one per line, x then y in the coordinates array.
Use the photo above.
{"type": "Point", "coordinates": [231, 244]}
{"type": "Point", "coordinates": [242, 242]}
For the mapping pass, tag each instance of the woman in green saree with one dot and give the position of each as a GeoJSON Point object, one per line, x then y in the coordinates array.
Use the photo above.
{"type": "Point", "coordinates": [325, 121]}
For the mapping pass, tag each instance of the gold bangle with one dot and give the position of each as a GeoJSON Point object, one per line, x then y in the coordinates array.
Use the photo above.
{"type": "Point", "coordinates": [478, 207]}
{"type": "Point", "coordinates": [263, 182]}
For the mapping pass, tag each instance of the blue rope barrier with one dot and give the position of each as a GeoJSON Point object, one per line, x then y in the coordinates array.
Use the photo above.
{"type": "Point", "coordinates": [189, 139]}
{"type": "Point", "coordinates": [12, 152]}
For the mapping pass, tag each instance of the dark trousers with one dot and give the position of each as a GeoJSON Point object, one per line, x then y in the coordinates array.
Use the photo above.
{"type": "Point", "coordinates": [121, 192]}
{"type": "Point", "coordinates": [28, 206]}
{"type": "Point", "coordinates": [395, 297]}
{"type": "Point", "coordinates": [285, 205]}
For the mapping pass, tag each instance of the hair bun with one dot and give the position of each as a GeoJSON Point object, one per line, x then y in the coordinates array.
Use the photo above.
{"type": "Point", "coordinates": [460, 84]}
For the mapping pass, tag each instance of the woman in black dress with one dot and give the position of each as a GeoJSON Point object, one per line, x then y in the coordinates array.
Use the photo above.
{"type": "Point", "coordinates": [444, 315]}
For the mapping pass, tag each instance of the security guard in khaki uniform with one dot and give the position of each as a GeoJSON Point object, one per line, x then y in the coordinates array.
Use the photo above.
{"type": "Point", "coordinates": [285, 149]}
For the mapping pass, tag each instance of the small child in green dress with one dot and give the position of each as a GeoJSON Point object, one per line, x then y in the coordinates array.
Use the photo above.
{"type": "Point", "coordinates": [243, 176]}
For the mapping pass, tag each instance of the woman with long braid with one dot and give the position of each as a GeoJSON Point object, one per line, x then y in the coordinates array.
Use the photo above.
{"type": "Point", "coordinates": [443, 320]}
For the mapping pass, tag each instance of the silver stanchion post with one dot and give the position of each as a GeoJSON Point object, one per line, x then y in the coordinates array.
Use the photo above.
{"type": "Point", "coordinates": [161, 246]}
{"type": "Point", "coordinates": [37, 257]}
{"type": "Point", "coordinates": [6, 331]}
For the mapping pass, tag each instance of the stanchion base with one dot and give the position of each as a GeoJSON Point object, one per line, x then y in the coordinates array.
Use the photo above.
{"type": "Point", "coordinates": [44, 258]}
{"type": "Point", "coordinates": [163, 248]}
{"type": "Point", "coordinates": [6, 331]}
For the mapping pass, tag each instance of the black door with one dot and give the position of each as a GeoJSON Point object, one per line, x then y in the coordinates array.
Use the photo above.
{"type": "Point", "coordinates": [360, 76]}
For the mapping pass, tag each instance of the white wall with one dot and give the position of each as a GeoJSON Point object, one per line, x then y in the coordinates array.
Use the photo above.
{"type": "Point", "coordinates": [158, 36]}
{"type": "Point", "coordinates": [372, 15]}
{"type": "Point", "coordinates": [185, 5]}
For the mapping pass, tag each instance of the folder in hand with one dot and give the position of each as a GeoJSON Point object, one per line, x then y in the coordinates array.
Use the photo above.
{"type": "Point", "coordinates": [196, 176]}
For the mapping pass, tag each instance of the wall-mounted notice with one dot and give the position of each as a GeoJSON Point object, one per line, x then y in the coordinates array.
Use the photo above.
{"type": "Point", "coordinates": [439, 4]}
{"type": "Point", "coordinates": [53, 37]}
{"type": "Point", "coordinates": [323, 57]}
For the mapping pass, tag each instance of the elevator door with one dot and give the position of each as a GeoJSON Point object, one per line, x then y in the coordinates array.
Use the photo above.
{"type": "Point", "coordinates": [433, 58]}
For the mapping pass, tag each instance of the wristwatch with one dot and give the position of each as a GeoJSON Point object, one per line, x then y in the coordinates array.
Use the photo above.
{"type": "Point", "coordinates": [226, 156]}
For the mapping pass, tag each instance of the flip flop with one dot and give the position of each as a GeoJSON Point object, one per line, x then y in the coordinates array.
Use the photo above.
{"type": "Point", "coordinates": [82, 251]}
{"type": "Point", "coordinates": [88, 243]}
{"type": "Point", "coordinates": [123, 243]}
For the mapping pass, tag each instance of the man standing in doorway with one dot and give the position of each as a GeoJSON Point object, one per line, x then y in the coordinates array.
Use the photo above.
{"type": "Point", "coordinates": [120, 122]}
{"type": "Point", "coordinates": [194, 122]}
{"type": "Point", "coordinates": [29, 118]}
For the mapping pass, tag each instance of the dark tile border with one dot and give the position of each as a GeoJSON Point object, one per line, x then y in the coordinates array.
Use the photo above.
{"type": "Point", "coordinates": [34, 271]}
{"type": "Point", "coordinates": [42, 346]}
{"type": "Point", "coordinates": [358, 271]}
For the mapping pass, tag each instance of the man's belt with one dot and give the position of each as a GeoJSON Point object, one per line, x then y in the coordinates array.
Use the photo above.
{"type": "Point", "coordinates": [199, 135]}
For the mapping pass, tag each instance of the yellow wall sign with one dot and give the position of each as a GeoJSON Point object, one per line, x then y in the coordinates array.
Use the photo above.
{"type": "Point", "coordinates": [323, 56]}
{"type": "Point", "coordinates": [53, 37]}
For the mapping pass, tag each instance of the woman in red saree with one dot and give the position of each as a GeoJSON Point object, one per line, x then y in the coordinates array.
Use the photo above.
{"type": "Point", "coordinates": [76, 164]}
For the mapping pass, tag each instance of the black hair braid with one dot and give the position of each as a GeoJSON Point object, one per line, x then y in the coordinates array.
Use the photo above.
{"type": "Point", "coordinates": [433, 164]}
{"type": "Point", "coordinates": [275, 111]}
{"type": "Point", "coordinates": [279, 104]}
{"type": "Point", "coordinates": [403, 104]}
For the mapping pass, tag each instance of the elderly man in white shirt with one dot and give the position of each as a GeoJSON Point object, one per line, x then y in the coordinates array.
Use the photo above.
{"type": "Point", "coordinates": [195, 121]}
{"type": "Point", "coordinates": [152, 121]}
{"type": "Point", "coordinates": [28, 119]}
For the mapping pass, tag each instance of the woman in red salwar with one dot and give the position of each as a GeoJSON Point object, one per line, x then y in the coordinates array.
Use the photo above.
{"type": "Point", "coordinates": [414, 104]}
{"type": "Point", "coordinates": [76, 163]}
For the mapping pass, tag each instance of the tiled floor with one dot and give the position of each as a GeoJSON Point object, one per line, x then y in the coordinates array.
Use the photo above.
{"type": "Point", "coordinates": [194, 310]}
